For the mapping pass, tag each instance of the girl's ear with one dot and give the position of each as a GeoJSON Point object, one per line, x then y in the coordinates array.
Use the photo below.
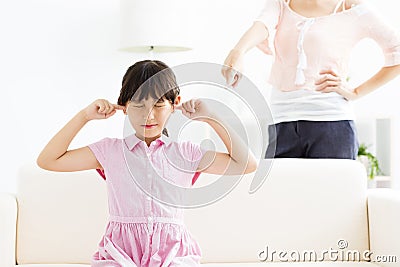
{"type": "Point", "coordinates": [177, 100]}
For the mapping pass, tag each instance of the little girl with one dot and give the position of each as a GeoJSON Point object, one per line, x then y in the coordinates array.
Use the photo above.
{"type": "Point", "coordinates": [141, 230]}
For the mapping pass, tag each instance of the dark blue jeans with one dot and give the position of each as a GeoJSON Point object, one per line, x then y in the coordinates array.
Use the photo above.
{"type": "Point", "coordinates": [313, 139]}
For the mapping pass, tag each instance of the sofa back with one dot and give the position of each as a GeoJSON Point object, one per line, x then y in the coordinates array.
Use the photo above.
{"type": "Point", "coordinates": [304, 205]}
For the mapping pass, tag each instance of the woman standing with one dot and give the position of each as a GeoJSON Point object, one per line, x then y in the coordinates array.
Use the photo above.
{"type": "Point", "coordinates": [310, 100]}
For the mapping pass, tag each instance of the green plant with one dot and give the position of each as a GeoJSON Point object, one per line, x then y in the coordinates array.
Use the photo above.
{"type": "Point", "coordinates": [373, 168]}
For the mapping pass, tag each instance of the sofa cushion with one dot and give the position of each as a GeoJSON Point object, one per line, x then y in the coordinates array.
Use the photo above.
{"type": "Point", "coordinates": [61, 216]}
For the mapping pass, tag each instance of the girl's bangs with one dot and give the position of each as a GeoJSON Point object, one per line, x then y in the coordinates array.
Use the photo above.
{"type": "Point", "coordinates": [157, 87]}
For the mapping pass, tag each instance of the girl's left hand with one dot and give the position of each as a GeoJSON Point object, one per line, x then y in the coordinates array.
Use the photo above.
{"type": "Point", "coordinates": [331, 82]}
{"type": "Point", "coordinates": [195, 109]}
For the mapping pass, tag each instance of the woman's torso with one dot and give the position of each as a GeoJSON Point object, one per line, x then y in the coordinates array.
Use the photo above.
{"type": "Point", "coordinates": [303, 48]}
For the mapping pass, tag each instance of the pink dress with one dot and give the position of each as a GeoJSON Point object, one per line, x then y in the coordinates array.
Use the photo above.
{"type": "Point", "coordinates": [142, 231]}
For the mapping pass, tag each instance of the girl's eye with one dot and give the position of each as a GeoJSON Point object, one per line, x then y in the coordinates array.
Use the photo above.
{"type": "Point", "coordinates": [159, 106]}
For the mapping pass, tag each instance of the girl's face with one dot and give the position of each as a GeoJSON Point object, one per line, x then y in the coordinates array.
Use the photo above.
{"type": "Point", "coordinates": [149, 117]}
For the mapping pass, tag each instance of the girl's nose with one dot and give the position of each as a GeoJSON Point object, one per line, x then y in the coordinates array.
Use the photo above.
{"type": "Point", "coordinates": [149, 114]}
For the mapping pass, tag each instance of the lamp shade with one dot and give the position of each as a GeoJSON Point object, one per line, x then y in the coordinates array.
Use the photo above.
{"type": "Point", "coordinates": [154, 25]}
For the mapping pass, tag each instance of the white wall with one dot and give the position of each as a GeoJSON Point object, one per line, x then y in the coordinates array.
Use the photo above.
{"type": "Point", "coordinates": [58, 56]}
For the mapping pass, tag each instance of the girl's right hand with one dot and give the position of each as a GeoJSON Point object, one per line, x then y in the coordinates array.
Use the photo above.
{"type": "Point", "coordinates": [101, 109]}
{"type": "Point", "coordinates": [232, 68]}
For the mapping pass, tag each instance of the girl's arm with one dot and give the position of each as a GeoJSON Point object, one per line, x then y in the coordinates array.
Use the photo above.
{"type": "Point", "coordinates": [252, 37]}
{"type": "Point", "coordinates": [56, 157]}
{"type": "Point", "coordinates": [238, 160]}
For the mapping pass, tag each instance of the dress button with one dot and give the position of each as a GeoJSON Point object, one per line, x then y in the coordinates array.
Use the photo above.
{"type": "Point", "coordinates": [148, 198]}
{"type": "Point", "coordinates": [149, 219]}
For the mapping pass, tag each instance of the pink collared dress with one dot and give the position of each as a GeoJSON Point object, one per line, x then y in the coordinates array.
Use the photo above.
{"type": "Point", "coordinates": [142, 231]}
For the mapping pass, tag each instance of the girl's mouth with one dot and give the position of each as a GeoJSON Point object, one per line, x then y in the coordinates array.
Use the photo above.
{"type": "Point", "coordinates": [149, 126]}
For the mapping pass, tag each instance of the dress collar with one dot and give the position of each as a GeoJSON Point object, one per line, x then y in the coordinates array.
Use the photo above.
{"type": "Point", "coordinates": [132, 141]}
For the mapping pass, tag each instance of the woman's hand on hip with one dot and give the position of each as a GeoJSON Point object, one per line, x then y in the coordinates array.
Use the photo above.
{"type": "Point", "coordinates": [233, 66]}
{"type": "Point", "coordinates": [332, 82]}
{"type": "Point", "coordinates": [101, 109]}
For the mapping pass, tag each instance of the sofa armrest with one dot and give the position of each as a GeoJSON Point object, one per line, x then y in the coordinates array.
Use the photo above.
{"type": "Point", "coordinates": [384, 226]}
{"type": "Point", "coordinates": [8, 227]}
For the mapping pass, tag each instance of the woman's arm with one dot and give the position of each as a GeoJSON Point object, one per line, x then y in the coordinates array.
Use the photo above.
{"type": "Point", "coordinates": [252, 37]}
{"type": "Point", "coordinates": [372, 25]}
{"type": "Point", "coordinates": [238, 160]}
{"type": "Point", "coordinates": [331, 82]}
{"type": "Point", "coordinates": [383, 76]}
{"type": "Point", "coordinates": [56, 157]}
{"type": "Point", "coordinates": [256, 35]}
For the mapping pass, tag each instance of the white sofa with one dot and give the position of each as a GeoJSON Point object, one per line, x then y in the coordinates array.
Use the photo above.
{"type": "Point", "coordinates": [304, 208]}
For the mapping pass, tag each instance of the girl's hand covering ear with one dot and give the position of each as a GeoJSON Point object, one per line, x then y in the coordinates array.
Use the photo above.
{"type": "Point", "coordinates": [101, 109]}
{"type": "Point", "coordinates": [194, 109]}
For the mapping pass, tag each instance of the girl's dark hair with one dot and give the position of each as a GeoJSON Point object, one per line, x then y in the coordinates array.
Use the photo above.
{"type": "Point", "coordinates": [137, 85]}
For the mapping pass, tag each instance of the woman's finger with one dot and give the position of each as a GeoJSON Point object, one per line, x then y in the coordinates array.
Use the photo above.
{"type": "Point", "coordinates": [327, 77]}
{"type": "Point", "coordinates": [329, 89]}
{"type": "Point", "coordinates": [229, 74]}
{"type": "Point", "coordinates": [237, 78]}
{"type": "Point", "coordinates": [224, 72]}
{"type": "Point", "coordinates": [230, 77]}
{"type": "Point", "coordinates": [327, 84]}
{"type": "Point", "coordinates": [330, 71]}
